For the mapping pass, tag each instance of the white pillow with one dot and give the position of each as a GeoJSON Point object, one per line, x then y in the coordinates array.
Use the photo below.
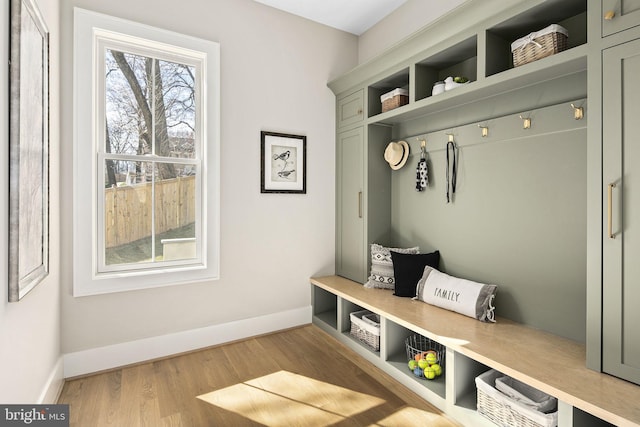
{"type": "Point", "coordinates": [463, 296]}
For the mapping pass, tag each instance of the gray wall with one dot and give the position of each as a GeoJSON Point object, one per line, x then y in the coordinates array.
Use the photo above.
{"type": "Point", "coordinates": [275, 68]}
{"type": "Point", "coordinates": [518, 218]}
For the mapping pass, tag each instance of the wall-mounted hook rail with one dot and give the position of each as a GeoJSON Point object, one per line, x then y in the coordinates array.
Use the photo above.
{"type": "Point", "coordinates": [578, 112]}
{"type": "Point", "coordinates": [466, 132]}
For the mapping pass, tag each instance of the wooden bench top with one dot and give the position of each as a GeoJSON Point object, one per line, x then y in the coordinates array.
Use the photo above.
{"type": "Point", "coordinates": [545, 361]}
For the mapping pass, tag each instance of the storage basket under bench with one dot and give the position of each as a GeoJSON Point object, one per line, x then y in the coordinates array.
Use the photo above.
{"type": "Point", "coordinates": [365, 326]}
{"type": "Point", "coordinates": [517, 405]}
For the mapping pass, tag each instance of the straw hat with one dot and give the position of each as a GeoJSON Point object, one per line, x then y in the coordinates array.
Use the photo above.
{"type": "Point", "coordinates": [396, 154]}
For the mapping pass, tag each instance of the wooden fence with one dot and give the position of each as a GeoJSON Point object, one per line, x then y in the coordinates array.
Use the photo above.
{"type": "Point", "coordinates": [128, 209]}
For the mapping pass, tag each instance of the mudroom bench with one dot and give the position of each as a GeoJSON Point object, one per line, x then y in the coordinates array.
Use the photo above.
{"type": "Point", "coordinates": [550, 363]}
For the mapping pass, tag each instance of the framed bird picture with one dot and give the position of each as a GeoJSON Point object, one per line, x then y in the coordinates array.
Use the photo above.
{"type": "Point", "coordinates": [283, 163]}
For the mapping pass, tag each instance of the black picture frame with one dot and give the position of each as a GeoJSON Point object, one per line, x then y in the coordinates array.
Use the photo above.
{"type": "Point", "coordinates": [283, 163]}
{"type": "Point", "coordinates": [28, 149]}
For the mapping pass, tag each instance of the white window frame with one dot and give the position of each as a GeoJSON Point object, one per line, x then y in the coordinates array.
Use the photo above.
{"type": "Point", "coordinates": [93, 33]}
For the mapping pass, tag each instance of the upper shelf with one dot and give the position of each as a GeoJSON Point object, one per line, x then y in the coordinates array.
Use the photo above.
{"type": "Point", "coordinates": [479, 50]}
{"type": "Point", "coordinates": [562, 64]}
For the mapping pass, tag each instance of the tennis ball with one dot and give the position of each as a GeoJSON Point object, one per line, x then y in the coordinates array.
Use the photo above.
{"type": "Point", "coordinates": [422, 363]}
{"type": "Point", "coordinates": [437, 369]}
{"type": "Point", "coordinates": [431, 358]}
{"type": "Point", "coordinates": [429, 373]}
{"type": "Point", "coordinates": [418, 372]}
{"type": "Point", "coordinates": [418, 356]}
{"type": "Point", "coordinates": [413, 364]}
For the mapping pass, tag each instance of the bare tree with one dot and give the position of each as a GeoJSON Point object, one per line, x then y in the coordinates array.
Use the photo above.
{"type": "Point", "coordinates": [162, 146]}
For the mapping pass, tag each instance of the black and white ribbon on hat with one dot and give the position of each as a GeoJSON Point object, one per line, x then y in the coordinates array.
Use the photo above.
{"type": "Point", "coordinates": [452, 168]}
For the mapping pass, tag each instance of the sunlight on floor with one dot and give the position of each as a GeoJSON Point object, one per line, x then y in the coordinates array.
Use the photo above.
{"type": "Point", "coordinates": [284, 399]}
{"type": "Point", "coordinates": [408, 416]}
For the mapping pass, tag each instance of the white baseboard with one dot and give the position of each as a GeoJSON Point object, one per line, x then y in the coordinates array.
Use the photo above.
{"type": "Point", "coordinates": [53, 387]}
{"type": "Point", "coordinates": [112, 356]}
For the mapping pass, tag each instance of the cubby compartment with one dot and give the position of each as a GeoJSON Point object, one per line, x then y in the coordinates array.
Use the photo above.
{"type": "Point", "coordinates": [347, 309]}
{"type": "Point", "coordinates": [397, 80]}
{"type": "Point", "coordinates": [396, 357]}
{"type": "Point", "coordinates": [457, 60]}
{"type": "Point", "coordinates": [325, 307]}
{"type": "Point", "coordinates": [570, 14]}
{"type": "Point", "coordinates": [466, 371]}
{"type": "Point", "coordinates": [583, 419]}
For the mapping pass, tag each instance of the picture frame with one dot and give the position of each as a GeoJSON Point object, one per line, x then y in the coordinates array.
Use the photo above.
{"type": "Point", "coordinates": [283, 163]}
{"type": "Point", "coordinates": [28, 149]}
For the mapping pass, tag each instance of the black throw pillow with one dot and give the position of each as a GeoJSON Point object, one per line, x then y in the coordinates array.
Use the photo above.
{"type": "Point", "coordinates": [408, 269]}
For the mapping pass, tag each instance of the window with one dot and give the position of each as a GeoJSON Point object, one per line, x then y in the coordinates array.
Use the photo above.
{"type": "Point", "coordinates": [146, 156]}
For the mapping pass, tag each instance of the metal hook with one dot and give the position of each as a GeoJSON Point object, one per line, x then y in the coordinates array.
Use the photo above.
{"type": "Point", "coordinates": [526, 122]}
{"type": "Point", "coordinates": [450, 135]}
{"type": "Point", "coordinates": [484, 130]}
{"type": "Point", "coordinates": [578, 112]}
{"type": "Point", "coordinates": [423, 147]}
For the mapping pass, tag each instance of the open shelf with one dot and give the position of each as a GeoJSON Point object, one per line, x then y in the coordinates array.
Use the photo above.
{"type": "Point", "coordinates": [347, 308]}
{"type": "Point", "coordinates": [361, 344]}
{"type": "Point", "coordinates": [397, 358]}
{"type": "Point", "coordinates": [325, 307]}
{"type": "Point", "coordinates": [569, 62]}
{"type": "Point", "coordinates": [571, 14]}
{"type": "Point", "coordinates": [460, 59]}
{"type": "Point", "coordinates": [399, 79]}
{"type": "Point", "coordinates": [466, 371]}
{"type": "Point", "coordinates": [583, 419]}
{"type": "Point", "coordinates": [489, 68]}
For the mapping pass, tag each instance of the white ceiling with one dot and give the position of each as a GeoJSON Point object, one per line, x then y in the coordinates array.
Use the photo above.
{"type": "Point", "coordinates": [353, 16]}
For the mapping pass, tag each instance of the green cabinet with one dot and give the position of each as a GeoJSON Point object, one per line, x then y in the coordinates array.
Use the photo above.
{"type": "Point", "coordinates": [619, 15]}
{"type": "Point", "coordinates": [350, 231]}
{"type": "Point", "coordinates": [621, 211]}
{"type": "Point", "coordinates": [350, 109]}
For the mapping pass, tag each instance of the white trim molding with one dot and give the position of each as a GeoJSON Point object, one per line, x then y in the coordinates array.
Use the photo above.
{"type": "Point", "coordinates": [53, 387]}
{"type": "Point", "coordinates": [117, 355]}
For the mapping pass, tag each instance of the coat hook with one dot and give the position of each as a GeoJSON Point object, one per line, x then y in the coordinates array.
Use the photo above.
{"type": "Point", "coordinates": [450, 135]}
{"type": "Point", "coordinates": [578, 112]}
{"type": "Point", "coordinates": [526, 122]}
{"type": "Point", "coordinates": [423, 148]}
{"type": "Point", "coordinates": [484, 130]}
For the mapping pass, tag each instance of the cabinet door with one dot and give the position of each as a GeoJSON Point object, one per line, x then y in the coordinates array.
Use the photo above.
{"type": "Point", "coordinates": [350, 109]}
{"type": "Point", "coordinates": [626, 14]}
{"type": "Point", "coordinates": [350, 261]}
{"type": "Point", "coordinates": [621, 196]}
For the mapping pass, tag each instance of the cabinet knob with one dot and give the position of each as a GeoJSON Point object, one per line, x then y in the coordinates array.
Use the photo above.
{"type": "Point", "coordinates": [609, 15]}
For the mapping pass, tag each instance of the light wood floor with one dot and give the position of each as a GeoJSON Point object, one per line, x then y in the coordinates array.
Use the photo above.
{"type": "Point", "coordinates": [299, 377]}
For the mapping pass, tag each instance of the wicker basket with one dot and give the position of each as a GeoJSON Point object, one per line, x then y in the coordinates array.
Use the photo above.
{"type": "Point", "coordinates": [394, 99]}
{"type": "Point", "coordinates": [365, 326]}
{"type": "Point", "coordinates": [506, 411]}
{"type": "Point", "coordinates": [417, 344]}
{"type": "Point", "coordinates": [538, 45]}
